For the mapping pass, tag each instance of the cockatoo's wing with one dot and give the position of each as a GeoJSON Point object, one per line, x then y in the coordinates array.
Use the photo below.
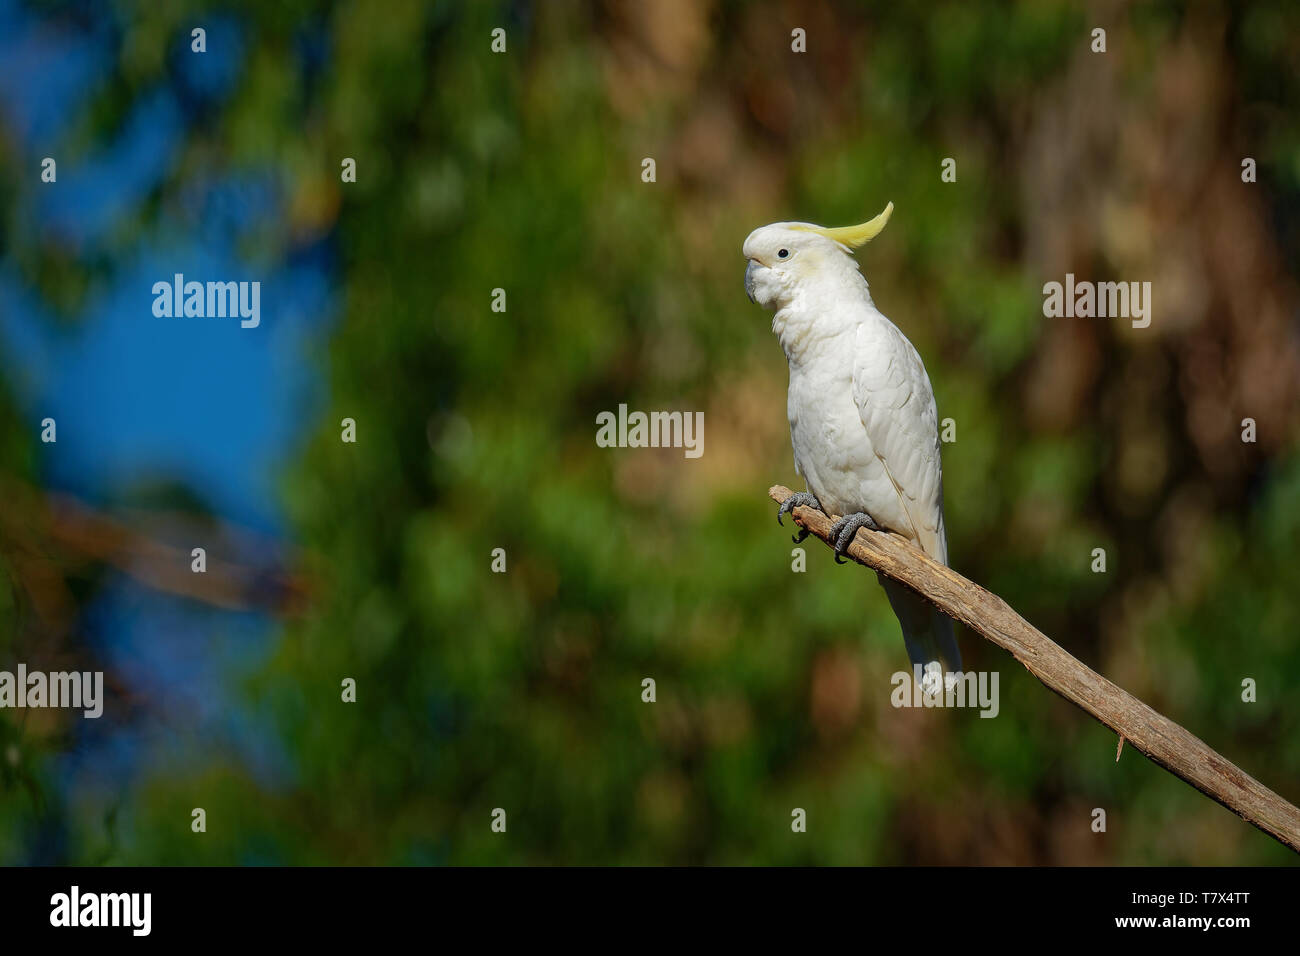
{"type": "Point", "coordinates": [896, 404]}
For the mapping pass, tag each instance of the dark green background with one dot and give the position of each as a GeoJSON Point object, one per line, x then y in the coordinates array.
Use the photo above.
{"type": "Point", "coordinates": [476, 431]}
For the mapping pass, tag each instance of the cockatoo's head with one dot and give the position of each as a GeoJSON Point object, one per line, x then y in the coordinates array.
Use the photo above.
{"type": "Point", "coordinates": [785, 254]}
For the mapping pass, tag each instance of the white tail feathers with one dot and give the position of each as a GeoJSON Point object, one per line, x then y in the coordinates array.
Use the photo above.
{"type": "Point", "coordinates": [927, 631]}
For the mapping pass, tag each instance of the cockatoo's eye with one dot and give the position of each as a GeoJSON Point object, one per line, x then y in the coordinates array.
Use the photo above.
{"type": "Point", "coordinates": [783, 254]}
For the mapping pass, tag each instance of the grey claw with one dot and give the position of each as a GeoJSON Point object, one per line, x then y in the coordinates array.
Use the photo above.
{"type": "Point", "coordinates": [843, 537]}
{"type": "Point", "coordinates": [844, 530]}
{"type": "Point", "coordinates": [794, 501]}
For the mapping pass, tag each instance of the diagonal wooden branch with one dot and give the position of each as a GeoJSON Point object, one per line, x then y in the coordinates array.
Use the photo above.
{"type": "Point", "coordinates": [1159, 738]}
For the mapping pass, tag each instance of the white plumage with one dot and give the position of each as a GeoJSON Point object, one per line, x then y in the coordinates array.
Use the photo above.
{"type": "Point", "coordinates": [862, 413]}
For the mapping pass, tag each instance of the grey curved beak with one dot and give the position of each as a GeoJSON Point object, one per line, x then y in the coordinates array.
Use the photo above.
{"type": "Point", "coordinates": [749, 280]}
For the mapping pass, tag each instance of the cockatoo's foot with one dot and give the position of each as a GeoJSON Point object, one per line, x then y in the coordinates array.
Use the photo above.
{"type": "Point", "coordinates": [794, 501]}
{"type": "Point", "coordinates": [842, 531]}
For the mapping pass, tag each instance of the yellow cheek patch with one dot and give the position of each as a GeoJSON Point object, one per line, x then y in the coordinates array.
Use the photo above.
{"type": "Point", "coordinates": [853, 236]}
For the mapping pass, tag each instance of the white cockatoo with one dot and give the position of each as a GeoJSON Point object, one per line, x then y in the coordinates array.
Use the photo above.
{"type": "Point", "coordinates": [862, 412]}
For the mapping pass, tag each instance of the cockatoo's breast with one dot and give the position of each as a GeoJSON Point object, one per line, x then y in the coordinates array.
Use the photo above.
{"type": "Point", "coordinates": [832, 449]}
{"type": "Point", "coordinates": [819, 321]}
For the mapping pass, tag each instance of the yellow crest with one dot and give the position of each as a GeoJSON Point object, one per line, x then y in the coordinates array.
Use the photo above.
{"type": "Point", "coordinates": [853, 236]}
